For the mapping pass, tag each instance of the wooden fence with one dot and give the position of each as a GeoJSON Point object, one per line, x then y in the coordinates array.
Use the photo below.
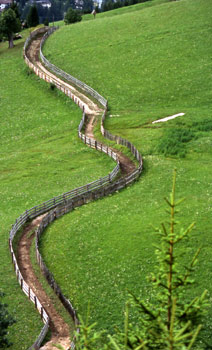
{"type": "Point", "coordinates": [66, 202]}
{"type": "Point", "coordinates": [31, 295]}
{"type": "Point", "coordinates": [68, 77]}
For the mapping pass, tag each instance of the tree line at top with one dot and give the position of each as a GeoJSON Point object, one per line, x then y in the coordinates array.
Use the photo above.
{"type": "Point", "coordinates": [24, 13]}
{"type": "Point", "coordinates": [55, 10]}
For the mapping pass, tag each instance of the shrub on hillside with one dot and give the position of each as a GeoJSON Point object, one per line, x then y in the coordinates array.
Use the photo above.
{"type": "Point", "coordinates": [72, 16]}
{"type": "Point", "coordinates": [205, 125]}
{"type": "Point", "coordinates": [173, 142]}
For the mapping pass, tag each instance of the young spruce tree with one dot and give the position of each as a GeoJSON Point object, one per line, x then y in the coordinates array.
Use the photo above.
{"type": "Point", "coordinates": [171, 322]}
{"type": "Point", "coordinates": [6, 320]}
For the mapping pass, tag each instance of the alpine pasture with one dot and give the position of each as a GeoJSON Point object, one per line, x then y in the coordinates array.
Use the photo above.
{"type": "Point", "coordinates": [150, 62]}
{"type": "Point", "coordinates": [41, 157]}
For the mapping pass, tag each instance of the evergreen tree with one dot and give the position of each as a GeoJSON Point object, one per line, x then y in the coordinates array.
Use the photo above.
{"type": "Point", "coordinates": [14, 7]}
{"type": "Point", "coordinates": [56, 11]}
{"type": "Point", "coordinates": [87, 6]}
{"type": "Point", "coordinates": [72, 16]}
{"type": "Point", "coordinates": [6, 320]}
{"type": "Point", "coordinates": [69, 3]}
{"type": "Point", "coordinates": [108, 5]}
{"type": "Point", "coordinates": [32, 17]}
{"type": "Point", "coordinates": [42, 13]}
{"type": "Point", "coordinates": [46, 22]}
{"type": "Point", "coordinates": [9, 25]}
{"type": "Point", "coordinates": [170, 322]}
{"type": "Point", "coordinates": [24, 13]}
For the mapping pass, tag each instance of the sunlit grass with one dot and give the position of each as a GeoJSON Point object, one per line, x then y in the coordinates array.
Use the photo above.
{"type": "Point", "coordinates": [150, 64]}
{"type": "Point", "coordinates": [40, 157]}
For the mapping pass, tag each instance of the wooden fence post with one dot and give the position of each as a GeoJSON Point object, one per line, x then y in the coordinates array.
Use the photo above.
{"type": "Point", "coordinates": [41, 312]}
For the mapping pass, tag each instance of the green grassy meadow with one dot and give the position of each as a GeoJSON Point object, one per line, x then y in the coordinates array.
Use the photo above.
{"type": "Point", "coordinates": [40, 157]}
{"type": "Point", "coordinates": [150, 63]}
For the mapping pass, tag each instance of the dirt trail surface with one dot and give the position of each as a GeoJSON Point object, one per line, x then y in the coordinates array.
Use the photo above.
{"type": "Point", "coordinates": [126, 165]}
{"type": "Point", "coordinates": [91, 108]}
{"type": "Point", "coordinates": [60, 330]}
{"type": "Point", "coordinates": [33, 52]}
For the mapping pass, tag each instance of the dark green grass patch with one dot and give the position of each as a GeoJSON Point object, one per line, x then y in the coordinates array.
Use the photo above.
{"type": "Point", "coordinates": [173, 142]}
{"type": "Point", "coordinates": [205, 125]}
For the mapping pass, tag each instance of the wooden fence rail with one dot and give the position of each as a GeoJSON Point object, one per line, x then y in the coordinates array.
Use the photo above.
{"type": "Point", "coordinates": [67, 76]}
{"type": "Point", "coordinates": [31, 295]}
{"type": "Point", "coordinates": [60, 205]}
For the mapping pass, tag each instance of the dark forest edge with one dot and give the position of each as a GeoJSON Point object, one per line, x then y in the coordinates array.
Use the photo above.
{"type": "Point", "coordinates": [30, 14]}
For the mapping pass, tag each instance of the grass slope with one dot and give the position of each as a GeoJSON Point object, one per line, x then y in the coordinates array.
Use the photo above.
{"type": "Point", "coordinates": [40, 157]}
{"type": "Point", "coordinates": [149, 63]}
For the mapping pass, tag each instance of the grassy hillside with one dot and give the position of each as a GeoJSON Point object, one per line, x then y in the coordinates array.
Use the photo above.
{"type": "Point", "coordinates": [149, 63]}
{"type": "Point", "coordinates": [124, 10]}
{"type": "Point", "coordinates": [41, 157]}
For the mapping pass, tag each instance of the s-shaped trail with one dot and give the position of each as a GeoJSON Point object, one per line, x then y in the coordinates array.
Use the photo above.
{"type": "Point", "coordinates": [60, 331]}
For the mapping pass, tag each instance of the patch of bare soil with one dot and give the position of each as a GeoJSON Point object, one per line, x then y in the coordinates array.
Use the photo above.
{"type": "Point", "coordinates": [127, 166]}
{"type": "Point", "coordinates": [33, 49]}
{"type": "Point", "coordinates": [91, 121]}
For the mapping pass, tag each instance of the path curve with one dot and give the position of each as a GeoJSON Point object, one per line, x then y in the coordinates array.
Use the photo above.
{"type": "Point", "coordinates": [91, 109]}
{"type": "Point", "coordinates": [60, 330]}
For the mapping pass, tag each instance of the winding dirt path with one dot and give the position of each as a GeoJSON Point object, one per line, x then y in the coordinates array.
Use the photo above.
{"type": "Point", "coordinates": [60, 330]}
{"type": "Point", "coordinates": [126, 165]}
